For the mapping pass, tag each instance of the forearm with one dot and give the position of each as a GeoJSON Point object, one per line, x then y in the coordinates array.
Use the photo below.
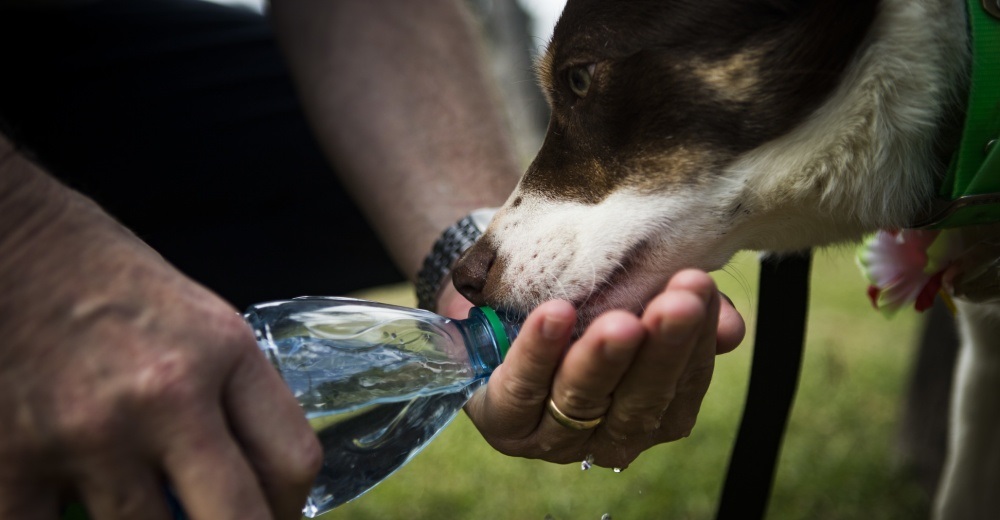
{"type": "Point", "coordinates": [401, 106]}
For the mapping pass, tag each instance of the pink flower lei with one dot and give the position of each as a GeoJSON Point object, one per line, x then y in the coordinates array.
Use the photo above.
{"type": "Point", "coordinates": [907, 266]}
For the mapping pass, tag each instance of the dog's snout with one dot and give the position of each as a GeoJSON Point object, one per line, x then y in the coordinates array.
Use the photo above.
{"type": "Point", "coordinates": [471, 272]}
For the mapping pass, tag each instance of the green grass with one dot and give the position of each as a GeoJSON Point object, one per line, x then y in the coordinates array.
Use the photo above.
{"type": "Point", "coordinates": [838, 459]}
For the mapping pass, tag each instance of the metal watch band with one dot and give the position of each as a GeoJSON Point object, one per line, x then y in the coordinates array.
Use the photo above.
{"type": "Point", "coordinates": [448, 247]}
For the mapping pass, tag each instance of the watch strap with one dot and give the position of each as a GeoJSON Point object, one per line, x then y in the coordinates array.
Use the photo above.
{"type": "Point", "coordinates": [446, 250]}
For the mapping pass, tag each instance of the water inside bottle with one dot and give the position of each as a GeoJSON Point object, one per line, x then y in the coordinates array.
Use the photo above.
{"type": "Point", "coordinates": [376, 382]}
{"type": "Point", "coordinates": [364, 446]}
{"type": "Point", "coordinates": [373, 406]}
{"type": "Point", "coordinates": [330, 376]}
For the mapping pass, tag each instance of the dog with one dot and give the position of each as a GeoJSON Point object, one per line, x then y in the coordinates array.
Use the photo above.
{"type": "Point", "coordinates": [685, 131]}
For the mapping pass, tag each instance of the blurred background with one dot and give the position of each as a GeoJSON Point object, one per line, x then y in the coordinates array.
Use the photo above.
{"type": "Point", "coordinates": [853, 449]}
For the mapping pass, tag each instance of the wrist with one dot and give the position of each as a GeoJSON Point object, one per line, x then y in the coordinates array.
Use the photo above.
{"type": "Point", "coordinates": [454, 241]}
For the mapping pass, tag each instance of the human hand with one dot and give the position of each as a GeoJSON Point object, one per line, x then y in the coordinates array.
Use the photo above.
{"type": "Point", "coordinates": [121, 378]}
{"type": "Point", "coordinates": [646, 376]}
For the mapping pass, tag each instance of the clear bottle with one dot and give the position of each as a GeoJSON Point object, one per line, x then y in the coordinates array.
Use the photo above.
{"type": "Point", "coordinates": [376, 381]}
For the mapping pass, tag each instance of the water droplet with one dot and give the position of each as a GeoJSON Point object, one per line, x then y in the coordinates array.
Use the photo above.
{"type": "Point", "coordinates": [606, 516]}
{"type": "Point", "coordinates": [618, 470]}
{"type": "Point", "coordinates": [587, 463]}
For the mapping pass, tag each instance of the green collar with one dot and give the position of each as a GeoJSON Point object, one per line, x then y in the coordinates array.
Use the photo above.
{"type": "Point", "coordinates": [971, 189]}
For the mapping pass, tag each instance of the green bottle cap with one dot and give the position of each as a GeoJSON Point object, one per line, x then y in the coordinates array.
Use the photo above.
{"type": "Point", "coordinates": [503, 342]}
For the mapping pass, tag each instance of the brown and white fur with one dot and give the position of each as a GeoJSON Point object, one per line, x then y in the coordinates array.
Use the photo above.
{"type": "Point", "coordinates": [700, 128]}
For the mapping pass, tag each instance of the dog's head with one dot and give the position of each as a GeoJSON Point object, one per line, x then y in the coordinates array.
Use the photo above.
{"type": "Point", "coordinates": [676, 132]}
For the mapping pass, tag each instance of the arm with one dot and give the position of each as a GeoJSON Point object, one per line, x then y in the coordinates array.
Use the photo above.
{"type": "Point", "coordinates": [159, 381]}
{"type": "Point", "coordinates": [401, 106]}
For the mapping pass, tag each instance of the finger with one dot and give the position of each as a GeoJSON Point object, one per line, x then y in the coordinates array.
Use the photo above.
{"type": "Point", "coordinates": [701, 285]}
{"type": "Point", "coordinates": [683, 411]}
{"type": "Point", "coordinates": [732, 328]}
{"type": "Point", "coordinates": [123, 490]}
{"type": "Point", "coordinates": [594, 365]}
{"type": "Point", "coordinates": [674, 320]}
{"type": "Point", "coordinates": [210, 475]}
{"type": "Point", "coordinates": [274, 434]}
{"type": "Point", "coordinates": [514, 399]}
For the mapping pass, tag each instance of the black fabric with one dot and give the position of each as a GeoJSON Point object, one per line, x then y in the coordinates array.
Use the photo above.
{"type": "Point", "coordinates": [179, 117]}
{"type": "Point", "coordinates": [782, 306]}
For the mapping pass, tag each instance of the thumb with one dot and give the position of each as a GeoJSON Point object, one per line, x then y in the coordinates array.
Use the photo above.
{"type": "Point", "coordinates": [513, 401]}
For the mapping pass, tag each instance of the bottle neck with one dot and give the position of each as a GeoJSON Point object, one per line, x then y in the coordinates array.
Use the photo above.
{"type": "Point", "coordinates": [488, 335]}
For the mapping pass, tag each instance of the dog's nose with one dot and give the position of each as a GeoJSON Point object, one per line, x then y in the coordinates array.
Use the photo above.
{"type": "Point", "coordinates": [471, 271]}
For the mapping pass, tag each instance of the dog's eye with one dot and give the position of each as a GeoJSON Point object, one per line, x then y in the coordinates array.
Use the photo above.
{"type": "Point", "coordinates": [579, 79]}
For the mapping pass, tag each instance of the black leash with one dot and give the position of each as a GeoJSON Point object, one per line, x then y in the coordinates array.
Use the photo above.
{"type": "Point", "coordinates": [774, 374]}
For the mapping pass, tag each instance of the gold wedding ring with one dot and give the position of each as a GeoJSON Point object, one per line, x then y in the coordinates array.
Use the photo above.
{"type": "Point", "coordinates": [569, 422]}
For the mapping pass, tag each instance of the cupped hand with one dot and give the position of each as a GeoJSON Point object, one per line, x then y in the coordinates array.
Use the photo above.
{"type": "Point", "coordinates": [121, 378]}
{"type": "Point", "coordinates": [644, 376]}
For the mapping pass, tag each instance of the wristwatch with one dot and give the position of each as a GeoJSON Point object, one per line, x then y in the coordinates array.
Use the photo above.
{"type": "Point", "coordinates": [448, 247]}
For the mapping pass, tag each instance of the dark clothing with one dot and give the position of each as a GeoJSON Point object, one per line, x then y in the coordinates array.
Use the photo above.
{"type": "Point", "coordinates": [179, 118]}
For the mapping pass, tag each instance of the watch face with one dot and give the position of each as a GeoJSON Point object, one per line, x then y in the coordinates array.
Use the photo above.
{"type": "Point", "coordinates": [481, 218]}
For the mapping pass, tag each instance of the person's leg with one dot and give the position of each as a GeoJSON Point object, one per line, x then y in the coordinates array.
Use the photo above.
{"type": "Point", "coordinates": [178, 116]}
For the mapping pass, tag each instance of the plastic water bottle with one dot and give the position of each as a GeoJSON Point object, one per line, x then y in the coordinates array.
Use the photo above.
{"type": "Point", "coordinates": [376, 381]}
